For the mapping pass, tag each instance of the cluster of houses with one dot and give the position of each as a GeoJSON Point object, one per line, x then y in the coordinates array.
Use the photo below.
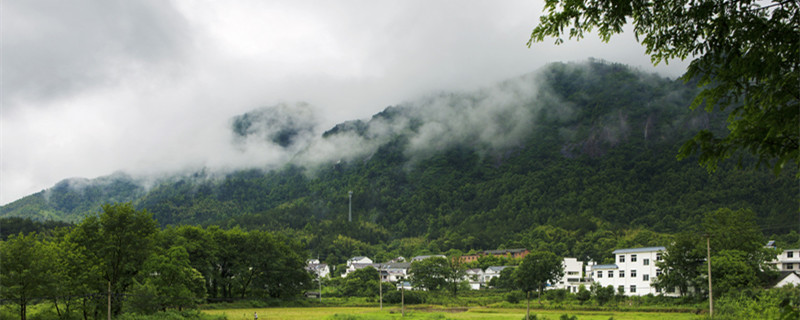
{"type": "Point", "coordinates": [632, 273]}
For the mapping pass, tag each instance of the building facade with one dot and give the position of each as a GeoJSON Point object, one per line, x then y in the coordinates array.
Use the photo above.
{"type": "Point", "coordinates": [633, 272]}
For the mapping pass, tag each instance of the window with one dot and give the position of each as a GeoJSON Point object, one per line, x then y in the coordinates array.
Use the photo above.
{"type": "Point", "coordinates": [658, 290]}
{"type": "Point", "coordinates": [658, 256]}
{"type": "Point", "coordinates": [622, 258]}
{"type": "Point", "coordinates": [646, 262]}
{"type": "Point", "coordinates": [599, 273]}
{"type": "Point", "coordinates": [610, 273]}
{"type": "Point", "coordinates": [633, 288]}
{"type": "Point", "coordinates": [633, 273]}
{"type": "Point", "coordinates": [789, 254]}
{"type": "Point", "coordinates": [658, 272]}
{"type": "Point", "coordinates": [645, 277]}
{"type": "Point", "coordinates": [788, 266]}
{"type": "Point", "coordinates": [622, 273]}
{"type": "Point", "coordinates": [633, 258]}
{"type": "Point", "coordinates": [671, 290]}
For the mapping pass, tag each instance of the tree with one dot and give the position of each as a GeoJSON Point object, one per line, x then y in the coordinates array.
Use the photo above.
{"type": "Point", "coordinates": [602, 294]}
{"type": "Point", "coordinates": [744, 57]}
{"type": "Point", "coordinates": [176, 283]}
{"type": "Point", "coordinates": [454, 273]}
{"type": "Point", "coordinates": [505, 280]}
{"type": "Point", "coordinates": [536, 270]}
{"type": "Point", "coordinates": [361, 283]}
{"type": "Point", "coordinates": [26, 270]}
{"type": "Point", "coordinates": [430, 273]}
{"type": "Point", "coordinates": [583, 294]}
{"type": "Point", "coordinates": [120, 239]}
{"type": "Point", "coordinates": [738, 257]}
{"type": "Point", "coordinates": [682, 264]}
{"type": "Point", "coordinates": [76, 277]}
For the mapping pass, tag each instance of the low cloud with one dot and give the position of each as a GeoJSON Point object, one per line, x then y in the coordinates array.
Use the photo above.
{"type": "Point", "coordinates": [91, 87]}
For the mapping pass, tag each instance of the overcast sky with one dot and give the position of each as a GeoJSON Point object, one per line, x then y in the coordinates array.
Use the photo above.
{"type": "Point", "coordinates": [90, 87]}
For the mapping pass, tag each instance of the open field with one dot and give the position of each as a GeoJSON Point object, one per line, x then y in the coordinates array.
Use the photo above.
{"type": "Point", "coordinates": [393, 312]}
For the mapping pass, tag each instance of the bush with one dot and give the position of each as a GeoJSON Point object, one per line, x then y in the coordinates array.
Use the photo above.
{"type": "Point", "coordinates": [513, 297]}
{"type": "Point", "coordinates": [411, 297]}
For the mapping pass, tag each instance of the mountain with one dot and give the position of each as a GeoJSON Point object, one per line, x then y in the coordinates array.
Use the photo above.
{"type": "Point", "coordinates": [574, 158]}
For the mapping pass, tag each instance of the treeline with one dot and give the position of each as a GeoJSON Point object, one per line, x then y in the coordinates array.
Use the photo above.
{"type": "Point", "coordinates": [120, 253]}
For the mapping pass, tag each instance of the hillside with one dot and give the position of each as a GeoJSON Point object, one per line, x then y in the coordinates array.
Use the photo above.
{"type": "Point", "coordinates": [576, 158]}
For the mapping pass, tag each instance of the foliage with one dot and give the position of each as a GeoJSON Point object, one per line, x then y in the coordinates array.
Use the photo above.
{"type": "Point", "coordinates": [744, 57]}
{"type": "Point", "coordinates": [25, 272]}
{"type": "Point", "coordinates": [361, 283]}
{"type": "Point", "coordinates": [682, 264]}
{"type": "Point", "coordinates": [119, 241]}
{"type": "Point", "coordinates": [602, 294]}
{"type": "Point", "coordinates": [583, 294]}
{"type": "Point", "coordinates": [16, 225]}
{"type": "Point", "coordinates": [758, 304]}
{"type": "Point", "coordinates": [537, 270]}
{"type": "Point", "coordinates": [739, 259]}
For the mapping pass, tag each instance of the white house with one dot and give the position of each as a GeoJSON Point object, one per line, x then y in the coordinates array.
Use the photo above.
{"type": "Point", "coordinates": [361, 260]}
{"type": "Point", "coordinates": [634, 271]}
{"type": "Point", "coordinates": [356, 263]}
{"type": "Point", "coordinates": [394, 271]}
{"type": "Point", "coordinates": [492, 272]}
{"type": "Point", "coordinates": [787, 278]}
{"type": "Point", "coordinates": [320, 269]}
{"type": "Point", "coordinates": [788, 260]}
{"type": "Point", "coordinates": [573, 276]}
{"type": "Point", "coordinates": [475, 278]}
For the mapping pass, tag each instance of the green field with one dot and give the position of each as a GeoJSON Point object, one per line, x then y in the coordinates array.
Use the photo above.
{"type": "Point", "coordinates": [393, 312]}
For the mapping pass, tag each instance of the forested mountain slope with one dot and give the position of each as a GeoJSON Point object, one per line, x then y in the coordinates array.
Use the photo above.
{"type": "Point", "coordinates": [576, 158]}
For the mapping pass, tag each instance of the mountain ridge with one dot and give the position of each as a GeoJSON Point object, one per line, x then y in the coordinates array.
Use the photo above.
{"type": "Point", "coordinates": [575, 146]}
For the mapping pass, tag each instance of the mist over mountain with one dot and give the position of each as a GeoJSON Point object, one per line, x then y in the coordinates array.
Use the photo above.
{"type": "Point", "coordinates": [581, 148]}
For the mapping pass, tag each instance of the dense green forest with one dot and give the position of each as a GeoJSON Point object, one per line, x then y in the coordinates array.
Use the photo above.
{"type": "Point", "coordinates": [593, 168]}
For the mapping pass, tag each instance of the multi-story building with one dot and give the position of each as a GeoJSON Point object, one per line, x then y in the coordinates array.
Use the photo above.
{"type": "Point", "coordinates": [573, 276]}
{"type": "Point", "coordinates": [634, 271]}
{"type": "Point", "coordinates": [788, 260]}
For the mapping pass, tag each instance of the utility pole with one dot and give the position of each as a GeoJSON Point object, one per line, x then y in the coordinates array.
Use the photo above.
{"type": "Point", "coordinates": [319, 277]}
{"type": "Point", "coordinates": [350, 211]}
{"type": "Point", "coordinates": [109, 300]}
{"type": "Point", "coordinates": [402, 297]}
{"type": "Point", "coordinates": [710, 294]}
{"type": "Point", "coordinates": [380, 285]}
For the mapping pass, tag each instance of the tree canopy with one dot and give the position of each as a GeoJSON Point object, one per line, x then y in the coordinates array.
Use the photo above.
{"type": "Point", "coordinates": [744, 56]}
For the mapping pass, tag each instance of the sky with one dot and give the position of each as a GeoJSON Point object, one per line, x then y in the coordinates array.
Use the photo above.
{"type": "Point", "coordinates": [148, 87]}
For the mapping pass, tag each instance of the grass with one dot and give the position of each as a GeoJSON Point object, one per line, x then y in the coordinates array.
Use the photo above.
{"type": "Point", "coordinates": [435, 312]}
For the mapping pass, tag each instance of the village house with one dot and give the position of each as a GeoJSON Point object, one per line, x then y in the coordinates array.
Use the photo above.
{"type": "Point", "coordinates": [321, 270]}
{"type": "Point", "coordinates": [573, 276]}
{"type": "Point", "coordinates": [633, 273]}
{"type": "Point", "coordinates": [788, 260]}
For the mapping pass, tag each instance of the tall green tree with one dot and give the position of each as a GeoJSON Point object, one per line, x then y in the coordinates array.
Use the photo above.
{"type": "Point", "coordinates": [537, 270]}
{"type": "Point", "coordinates": [744, 56]}
{"type": "Point", "coordinates": [739, 259]}
{"type": "Point", "coordinates": [430, 274]}
{"type": "Point", "coordinates": [682, 263]}
{"type": "Point", "coordinates": [26, 271]}
{"type": "Point", "coordinates": [76, 276]}
{"type": "Point", "coordinates": [119, 239]}
{"type": "Point", "coordinates": [176, 283]}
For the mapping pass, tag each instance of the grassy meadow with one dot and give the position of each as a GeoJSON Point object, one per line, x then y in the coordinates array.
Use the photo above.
{"type": "Point", "coordinates": [393, 312]}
